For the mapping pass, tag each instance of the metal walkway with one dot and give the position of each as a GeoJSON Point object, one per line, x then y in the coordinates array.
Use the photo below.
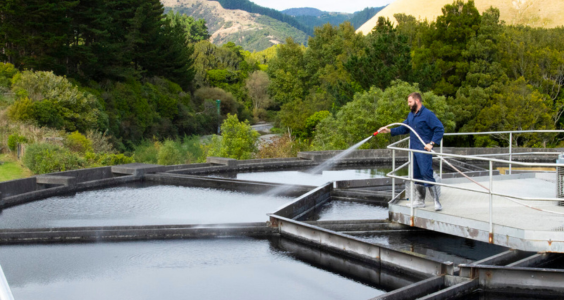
{"type": "Point", "coordinates": [519, 211]}
{"type": "Point", "coordinates": [466, 213]}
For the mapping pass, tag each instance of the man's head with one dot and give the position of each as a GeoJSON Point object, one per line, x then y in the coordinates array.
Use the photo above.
{"type": "Point", "coordinates": [414, 101]}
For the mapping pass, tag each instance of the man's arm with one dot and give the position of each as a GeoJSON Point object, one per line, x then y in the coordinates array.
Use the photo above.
{"type": "Point", "coordinates": [400, 129]}
{"type": "Point", "coordinates": [437, 128]}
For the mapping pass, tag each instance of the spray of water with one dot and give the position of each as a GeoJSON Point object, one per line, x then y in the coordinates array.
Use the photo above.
{"type": "Point", "coordinates": [320, 168]}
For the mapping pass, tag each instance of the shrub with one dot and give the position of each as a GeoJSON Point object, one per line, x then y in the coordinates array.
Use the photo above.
{"type": "Point", "coordinates": [77, 142]}
{"type": "Point", "coordinates": [238, 140]}
{"type": "Point", "coordinates": [100, 142]}
{"type": "Point", "coordinates": [48, 158]}
{"type": "Point", "coordinates": [169, 154]}
{"type": "Point", "coordinates": [7, 71]}
{"type": "Point", "coordinates": [107, 159]}
{"type": "Point", "coordinates": [284, 146]}
{"type": "Point", "coordinates": [14, 140]}
{"type": "Point", "coordinates": [53, 101]}
{"type": "Point", "coordinates": [147, 152]}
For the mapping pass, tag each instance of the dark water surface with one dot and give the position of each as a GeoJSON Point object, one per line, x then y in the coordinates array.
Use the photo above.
{"type": "Point", "coordinates": [142, 204]}
{"type": "Point", "coordinates": [508, 295]}
{"type": "Point", "coordinates": [346, 210]}
{"type": "Point", "coordinates": [228, 268]}
{"type": "Point", "coordinates": [436, 245]}
{"type": "Point", "coordinates": [303, 177]}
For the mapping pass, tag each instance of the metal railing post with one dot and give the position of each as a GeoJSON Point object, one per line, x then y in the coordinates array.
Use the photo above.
{"type": "Point", "coordinates": [510, 150]}
{"type": "Point", "coordinates": [393, 168]}
{"type": "Point", "coordinates": [441, 161]}
{"type": "Point", "coordinates": [491, 203]}
{"type": "Point", "coordinates": [5, 292]}
{"type": "Point", "coordinates": [411, 195]}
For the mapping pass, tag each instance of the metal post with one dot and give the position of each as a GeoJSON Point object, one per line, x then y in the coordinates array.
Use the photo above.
{"type": "Point", "coordinates": [510, 145]}
{"type": "Point", "coordinates": [393, 168]}
{"type": "Point", "coordinates": [411, 186]}
{"type": "Point", "coordinates": [491, 203]}
{"type": "Point", "coordinates": [441, 161]}
{"type": "Point", "coordinates": [5, 292]}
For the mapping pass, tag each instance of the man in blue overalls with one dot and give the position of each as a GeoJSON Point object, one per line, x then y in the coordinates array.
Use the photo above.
{"type": "Point", "coordinates": [431, 130]}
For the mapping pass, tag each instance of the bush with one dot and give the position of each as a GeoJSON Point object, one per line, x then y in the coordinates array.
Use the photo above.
{"type": "Point", "coordinates": [238, 140]}
{"type": "Point", "coordinates": [48, 158]}
{"type": "Point", "coordinates": [147, 152]}
{"type": "Point", "coordinates": [107, 159]}
{"type": "Point", "coordinates": [77, 142]}
{"type": "Point", "coordinates": [51, 100]}
{"type": "Point", "coordinates": [100, 142]}
{"type": "Point", "coordinates": [169, 154]}
{"type": "Point", "coordinates": [284, 146]}
{"type": "Point", "coordinates": [14, 140]}
{"type": "Point", "coordinates": [7, 71]}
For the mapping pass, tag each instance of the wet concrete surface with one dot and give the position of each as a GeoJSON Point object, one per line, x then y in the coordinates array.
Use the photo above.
{"type": "Point", "coordinates": [347, 210]}
{"type": "Point", "coordinates": [228, 268]}
{"type": "Point", "coordinates": [142, 204]}
{"type": "Point", "coordinates": [303, 177]}
{"type": "Point", "coordinates": [436, 245]}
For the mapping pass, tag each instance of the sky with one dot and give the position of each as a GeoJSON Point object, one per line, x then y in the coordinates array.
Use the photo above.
{"type": "Point", "coordinates": [348, 6]}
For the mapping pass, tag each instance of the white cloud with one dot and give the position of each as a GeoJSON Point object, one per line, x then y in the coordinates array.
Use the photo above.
{"type": "Point", "coordinates": [325, 5]}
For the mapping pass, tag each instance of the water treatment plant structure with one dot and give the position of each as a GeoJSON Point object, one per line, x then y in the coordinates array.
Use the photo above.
{"type": "Point", "coordinates": [526, 265]}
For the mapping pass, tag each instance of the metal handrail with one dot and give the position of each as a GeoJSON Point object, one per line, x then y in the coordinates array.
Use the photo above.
{"type": "Point", "coordinates": [489, 190]}
{"type": "Point", "coordinates": [503, 132]}
{"type": "Point", "coordinates": [5, 292]}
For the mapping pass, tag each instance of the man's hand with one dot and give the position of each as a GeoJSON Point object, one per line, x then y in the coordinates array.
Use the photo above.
{"type": "Point", "coordinates": [429, 147]}
{"type": "Point", "coordinates": [384, 130]}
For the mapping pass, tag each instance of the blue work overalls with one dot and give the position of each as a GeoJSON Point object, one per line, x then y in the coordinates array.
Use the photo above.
{"type": "Point", "coordinates": [429, 128]}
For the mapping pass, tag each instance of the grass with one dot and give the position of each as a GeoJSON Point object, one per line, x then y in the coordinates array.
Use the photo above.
{"type": "Point", "coordinates": [12, 169]}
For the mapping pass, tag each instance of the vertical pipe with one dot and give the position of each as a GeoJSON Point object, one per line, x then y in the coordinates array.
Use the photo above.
{"type": "Point", "coordinates": [411, 195]}
{"type": "Point", "coordinates": [393, 168]}
{"type": "Point", "coordinates": [441, 161]}
{"type": "Point", "coordinates": [510, 153]}
{"type": "Point", "coordinates": [491, 203]}
{"type": "Point", "coordinates": [5, 292]}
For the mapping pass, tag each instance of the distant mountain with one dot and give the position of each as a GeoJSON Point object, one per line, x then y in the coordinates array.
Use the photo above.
{"type": "Point", "coordinates": [312, 17]}
{"type": "Point", "coordinates": [254, 32]}
{"type": "Point", "coordinates": [253, 8]}
{"type": "Point", "coordinates": [536, 13]}
{"type": "Point", "coordinates": [303, 11]}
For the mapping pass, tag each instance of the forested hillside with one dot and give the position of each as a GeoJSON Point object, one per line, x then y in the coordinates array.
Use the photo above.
{"type": "Point", "coordinates": [313, 18]}
{"type": "Point", "coordinates": [251, 7]}
{"type": "Point", "coordinates": [303, 11]}
{"type": "Point", "coordinates": [86, 84]}
{"type": "Point", "coordinates": [254, 32]}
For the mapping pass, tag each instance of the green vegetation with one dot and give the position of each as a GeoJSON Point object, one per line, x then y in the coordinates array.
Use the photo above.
{"type": "Point", "coordinates": [251, 7]}
{"type": "Point", "coordinates": [254, 32]}
{"type": "Point", "coordinates": [238, 140]}
{"type": "Point", "coordinates": [137, 85]}
{"type": "Point", "coordinates": [11, 169]}
{"type": "Point", "coordinates": [319, 19]}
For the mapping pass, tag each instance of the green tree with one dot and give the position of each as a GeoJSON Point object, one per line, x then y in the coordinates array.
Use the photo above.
{"type": "Point", "coordinates": [287, 72]}
{"type": "Point", "coordinates": [387, 58]}
{"type": "Point", "coordinates": [195, 30]}
{"type": "Point", "coordinates": [371, 110]}
{"type": "Point", "coordinates": [445, 43]}
{"type": "Point", "coordinates": [518, 107]}
{"type": "Point", "coordinates": [238, 140]}
{"type": "Point", "coordinates": [486, 77]}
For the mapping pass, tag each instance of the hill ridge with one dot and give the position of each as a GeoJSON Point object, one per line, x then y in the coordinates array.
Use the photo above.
{"type": "Point", "coordinates": [537, 13]}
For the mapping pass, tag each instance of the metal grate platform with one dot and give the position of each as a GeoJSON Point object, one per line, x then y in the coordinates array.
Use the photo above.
{"type": "Point", "coordinates": [466, 213]}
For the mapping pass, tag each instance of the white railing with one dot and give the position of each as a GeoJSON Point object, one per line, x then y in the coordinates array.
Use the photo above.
{"type": "Point", "coordinates": [5, 292]}
{"type": "Point", "coordinates": [483, 157]}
